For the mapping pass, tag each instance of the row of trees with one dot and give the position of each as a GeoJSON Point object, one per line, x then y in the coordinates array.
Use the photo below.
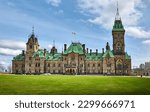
{"type": "Point", "coordinates": [5, 69]}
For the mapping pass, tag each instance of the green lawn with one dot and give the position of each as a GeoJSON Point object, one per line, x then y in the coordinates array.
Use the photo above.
{"type": "Point", "coordinates": [73, 85]}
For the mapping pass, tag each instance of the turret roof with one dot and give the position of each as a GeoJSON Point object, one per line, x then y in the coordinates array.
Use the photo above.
{"type": "Point", "coordinates": [118, 26]}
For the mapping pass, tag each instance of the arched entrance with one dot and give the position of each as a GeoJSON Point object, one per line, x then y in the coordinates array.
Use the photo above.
{"type": "Point", "coordinates": [70, 71]}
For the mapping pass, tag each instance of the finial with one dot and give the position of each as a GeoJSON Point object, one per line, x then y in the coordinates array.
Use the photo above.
{"type": "Point", "coordinates": [117, 14]}
{"type": "Point", "coordinates": [117, 8]}
{"type": "Point", "coordinates": [32, 29]}
{"type": "Point", "coordinates": [53, 43]}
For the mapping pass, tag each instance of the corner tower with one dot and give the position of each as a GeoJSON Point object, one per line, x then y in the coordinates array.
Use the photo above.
{"type": "Point", "coordinates": [32, 46]}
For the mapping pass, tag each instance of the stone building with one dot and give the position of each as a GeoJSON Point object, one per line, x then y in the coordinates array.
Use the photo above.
{"type": "Point", "coordinates": [76, 58]}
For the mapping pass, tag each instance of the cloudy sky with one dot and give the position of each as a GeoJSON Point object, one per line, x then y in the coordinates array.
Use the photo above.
{"type": "Point", "coordinates": [92, 20]}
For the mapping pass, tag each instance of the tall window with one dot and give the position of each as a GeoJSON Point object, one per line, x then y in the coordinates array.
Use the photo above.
{"type": "Point", "coordinates": [58, 65]}
{"type": "Point", "coordinates": [30, 46]}
{"type": "Point", "coordinates": [119, 64]}
{"type": "Point", "coordinates": [93, 65]}
{"type": "Point", "coordinates": [30, 58]}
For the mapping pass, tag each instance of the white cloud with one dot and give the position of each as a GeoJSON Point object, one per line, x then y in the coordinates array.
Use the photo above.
{"type": "Point", "coordinates": [3, 63]}
{"type": "Point", "coordinates": [9, 52]}
{"type": "Point", "coordinates": [103, 13]}
{"type": "Point", "coordinates": [146, 42]}
{"type": "Point", "coordinates": [50, 46]}
{"type": "Point", "coordinates": [12, 44]}
{"type": "Point", "coordinates": [11, 47]}
{"type": "Point", "coordinates": [54, 3]}
{"type": "Point", "coordinates": [137, 32]}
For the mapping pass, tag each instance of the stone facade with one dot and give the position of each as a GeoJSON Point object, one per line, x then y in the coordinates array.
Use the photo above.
{"type": "Point", "coordinates": [75, 59]}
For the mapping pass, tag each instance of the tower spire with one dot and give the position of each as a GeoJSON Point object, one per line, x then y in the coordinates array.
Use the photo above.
{"type": "Point", "coordinates": [33, 30]}
{"type": "Point", "coordinates": [117, 14]}
{"type": "Point", "coordinates": [53, 43]}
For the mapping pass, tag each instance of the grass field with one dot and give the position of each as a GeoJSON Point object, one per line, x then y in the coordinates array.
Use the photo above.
{"type": "Point", "coordinates": [73, 85]}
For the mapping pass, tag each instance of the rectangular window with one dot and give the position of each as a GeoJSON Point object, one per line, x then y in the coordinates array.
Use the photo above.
{"type": "Point", "coordinates": [93, 65]}
{"type": "Point", "coordinates": [58, 65]}
{"type": "Point", "coordinates": [30, 58]}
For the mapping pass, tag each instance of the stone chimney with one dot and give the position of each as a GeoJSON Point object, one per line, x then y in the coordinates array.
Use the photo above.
{"type": "Point", "coordinates": [96, 51]}
{"type": "Point", "coordinates": [87, 50]}
{"type": "Point", "coordinates": [103, 51]}
{"type": "Point", "coordinates": [23, 52]}
{"type": "Point", "coordinates": [83, 45]}
{"type": "Point", "coordinates": [45, 52]}
{"type": "Point", "coordinates": [65, 47]}
{"type": "Point", "coordinates": [90, 51]}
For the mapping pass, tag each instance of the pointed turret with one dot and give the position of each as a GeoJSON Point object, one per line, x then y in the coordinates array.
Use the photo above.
{"type": "Point", "coordinates": [53, 49]}
{"type": "Point", "coordinates": [118, 26]}
{"type": "Point", "coordinates": [107, 46]}
{"type": "Point", "coordinates": [32, 43]}
{"type": "Point", "coordinates": [117, 14]}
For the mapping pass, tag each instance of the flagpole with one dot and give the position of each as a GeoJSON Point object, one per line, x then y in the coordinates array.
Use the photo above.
{"type": "Point", "coordinates": [74, 35]}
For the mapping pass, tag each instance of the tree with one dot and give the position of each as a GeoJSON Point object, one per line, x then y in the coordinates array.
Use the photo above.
{"type": "Point", "coordinates": [2, 68]}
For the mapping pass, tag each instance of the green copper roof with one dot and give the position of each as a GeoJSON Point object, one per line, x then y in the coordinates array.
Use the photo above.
{"type": "Point", "coordinates": [54, 57]}
{"type": "Point", "coordinates": [75, 48]}
{"type": "Point", "coordinates": [108, 53]}
{"type": "Point", "coordinates": [94, 57]}
{"type": "Point", "coordinates": [48, 56]}
{"type": "Point", "coordinates": [127, 56]}
{"type": "Point", "coordinates": [118, 26]}
{"type": "Point", "coordinates": [19, 57]}
{"type": "Point", "coordinates": [39, 53]}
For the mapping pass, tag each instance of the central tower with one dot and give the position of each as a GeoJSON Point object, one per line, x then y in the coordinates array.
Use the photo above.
{"type": "Point", "coordinates": [122, 60]}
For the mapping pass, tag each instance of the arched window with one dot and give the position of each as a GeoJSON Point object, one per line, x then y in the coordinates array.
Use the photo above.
{"type": "Point", "coordinates": [119, 64]}
{"type": "Point", "coordinates": [30, 46]}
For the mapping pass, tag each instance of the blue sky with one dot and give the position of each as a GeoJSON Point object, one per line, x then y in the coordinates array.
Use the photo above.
{"type": "Point", "coordinates": [92, 20]}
